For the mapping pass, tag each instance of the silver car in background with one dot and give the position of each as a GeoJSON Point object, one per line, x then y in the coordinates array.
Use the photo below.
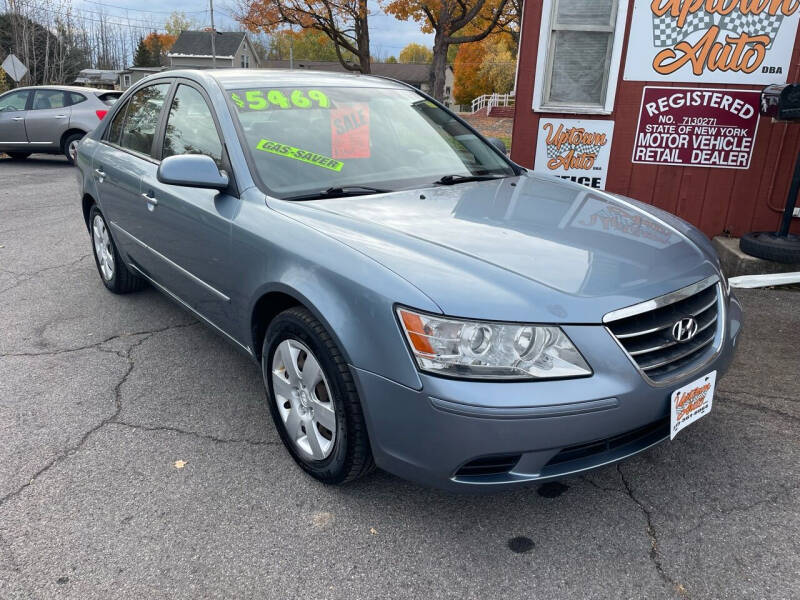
{"type": "Point", "coordinates": [50, 119]}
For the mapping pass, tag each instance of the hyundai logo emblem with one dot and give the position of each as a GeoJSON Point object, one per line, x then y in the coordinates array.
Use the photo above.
{"type": "Point", "coordinates": [684, 330]}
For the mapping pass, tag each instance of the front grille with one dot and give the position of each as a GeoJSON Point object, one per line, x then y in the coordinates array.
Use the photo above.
{"type": "Point", "coordinates": [640, 437]}
{"type": "Point", "coordinates": [647, 336]}
{"type": "Point", "coordinates": [489, 465]}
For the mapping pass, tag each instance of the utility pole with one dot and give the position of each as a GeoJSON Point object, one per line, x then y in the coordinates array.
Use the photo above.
{"type": "Point", "coordinates": [291, 46]}
{"type": "Point", "coordinates": [213, 36]}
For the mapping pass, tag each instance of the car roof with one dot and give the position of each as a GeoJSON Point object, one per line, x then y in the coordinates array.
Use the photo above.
{"type": "Point", "coordinates": [239, 78]}
{"type": "Point", "coordinates": [69, 88]}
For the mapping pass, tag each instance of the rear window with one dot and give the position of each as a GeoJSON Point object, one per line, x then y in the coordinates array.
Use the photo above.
{"type": "Point", "coordinates": [109, 98]}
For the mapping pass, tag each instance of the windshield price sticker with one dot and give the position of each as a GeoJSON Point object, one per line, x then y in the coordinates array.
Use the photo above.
{"type": "Point", "coordinates": [282, 99]}
{"type": "Point", "coordinates": [350, 131]}
{"type": "Point", "coordinates": [306, 156]}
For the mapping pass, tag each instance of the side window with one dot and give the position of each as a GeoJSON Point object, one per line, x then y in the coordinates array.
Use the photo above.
{"type": "Point", "coordinates": [14, 101]}
{"type": "Point", "coordinates": [45, 99]}
{"type": "Point", "coordinates": [115, 129]}
{"type": "Point", "coordinates": [76, 98]}
{"type": "Point", "coordinates": [141, 123]}
{"type": "Point", "coordinates": [190, 126]}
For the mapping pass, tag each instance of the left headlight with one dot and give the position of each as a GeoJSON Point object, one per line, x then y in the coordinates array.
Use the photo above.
{"type": "Point", "coordinates": [490, 350]}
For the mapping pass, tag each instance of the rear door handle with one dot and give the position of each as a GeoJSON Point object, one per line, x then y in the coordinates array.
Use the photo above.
{"type": "Point", "coordinates": [60, 116]}
{"type": "Point", "coordinates": [17, 118]}
{"type": "Point", "coordinates": [100, 174]}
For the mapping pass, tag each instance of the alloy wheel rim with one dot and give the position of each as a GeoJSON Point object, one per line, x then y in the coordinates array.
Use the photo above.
{"type": "Point", "coordinates": [102, 248]}
{"type": "Point", "coordinates": [73, 149]}
{"type": "Point", "coordinates": [304, 399]}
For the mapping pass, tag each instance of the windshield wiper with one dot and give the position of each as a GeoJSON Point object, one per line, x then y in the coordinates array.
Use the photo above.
{"type": "Point", "coordinates": [340, 192]}
{"type": "Point", "coordinates": [452, 179]}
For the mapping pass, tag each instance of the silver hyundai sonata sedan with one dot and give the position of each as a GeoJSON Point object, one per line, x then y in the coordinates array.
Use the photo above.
{"type": "Point", "coordinates": [416, 301]}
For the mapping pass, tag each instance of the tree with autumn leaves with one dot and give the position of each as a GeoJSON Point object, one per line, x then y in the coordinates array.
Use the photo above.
{"type": "Point", "coordinates": [152, 50]}
{"type": "Point", "coordinates": [345, 23]}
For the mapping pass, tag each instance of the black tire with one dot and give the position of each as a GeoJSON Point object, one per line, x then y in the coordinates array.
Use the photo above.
{"type": "Point", "coordinates": [18, 155]}
{"type": "Point", "coordinates": [351, 456]}
{"type": "Point", "coordinates": [770, 246]}
{"type": "Point", "coordinates": [75, 137]}
{"type": "Point", "coordinates": [122, 280]}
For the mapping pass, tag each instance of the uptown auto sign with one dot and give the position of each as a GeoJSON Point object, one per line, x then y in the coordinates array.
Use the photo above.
{"type": "Point", "coordinates": [712, 41]}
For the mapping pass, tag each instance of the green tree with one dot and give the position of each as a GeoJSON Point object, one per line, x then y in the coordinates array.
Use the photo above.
{"type": "Point", "coordinates": [497, 68]}
{"type": "Point", "coordinates": [306, 44]}
{"type": "Point", "coordinates": [391, 60]}
{"type": "Point", "coordinates": [142, 57]}
{"type": "Point", "coordinates": [177, 22]}
{"type": "Point", "coordinates": [415, 53]}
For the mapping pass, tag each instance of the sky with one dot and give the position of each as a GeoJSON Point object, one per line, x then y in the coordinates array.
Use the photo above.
{"type": "Point", "coordinates": [387, 35]}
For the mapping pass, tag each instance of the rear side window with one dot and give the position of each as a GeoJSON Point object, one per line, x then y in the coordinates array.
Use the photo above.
{"type": "Point", "coordinates": [109, 98]}
{"type": "Point", "coordinates": [76, 98]}
{"type": "Point", "coordinates": [14, 101]}
{"type": "Point", "coordinates": [46, 99]}
{"type": "Point", "coordinates": [190, 126]}
{"type": "Point", "coordinates": [141, 122]}
{"type": "Point", "coordinates": [115, 129]}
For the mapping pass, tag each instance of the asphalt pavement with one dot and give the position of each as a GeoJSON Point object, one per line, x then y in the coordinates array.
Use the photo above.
{"type": "Point", "coordinates": [138, 460]}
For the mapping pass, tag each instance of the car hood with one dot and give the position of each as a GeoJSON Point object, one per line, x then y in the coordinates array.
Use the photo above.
{"type": "Point", "coordinates": [528, 248]}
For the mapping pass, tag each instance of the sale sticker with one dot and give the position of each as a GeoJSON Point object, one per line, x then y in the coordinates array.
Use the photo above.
{"type": "Point", "coordinates": [350, 131]}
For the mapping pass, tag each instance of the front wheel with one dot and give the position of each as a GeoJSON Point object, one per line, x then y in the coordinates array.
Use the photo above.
{"type": "Point", "coordinates": [313, 399]}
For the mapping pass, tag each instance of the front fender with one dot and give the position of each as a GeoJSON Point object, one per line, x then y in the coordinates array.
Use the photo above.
{"type": "Point", "coordinates": [352, 295]}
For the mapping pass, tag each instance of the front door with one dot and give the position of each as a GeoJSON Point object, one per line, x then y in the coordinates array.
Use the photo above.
{"type": "Point", "coordinates": [191, 227]}
{"type": "Point", "coordinates": [48, 118]}
{"type": "Point", "coordinates": [12, 121]}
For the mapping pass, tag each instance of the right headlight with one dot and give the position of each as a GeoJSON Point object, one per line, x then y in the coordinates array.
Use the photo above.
{"type": "Point", "coordinates": [490, 350]}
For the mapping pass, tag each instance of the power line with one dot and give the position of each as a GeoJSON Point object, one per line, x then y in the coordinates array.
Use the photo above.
{"type": "Point", "coordinates": [165, 12]}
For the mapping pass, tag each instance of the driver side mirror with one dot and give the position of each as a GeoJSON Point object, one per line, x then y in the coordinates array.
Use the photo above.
{"type": "Point", "coordinates": [192, 170]}
{"type": "Point", "coordinates": [498, 143]}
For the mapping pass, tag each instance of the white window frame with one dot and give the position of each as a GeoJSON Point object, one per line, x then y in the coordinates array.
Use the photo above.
{"type": "Point", "coordinates": [245, 61]}
{"type": "Point", "coordinates": [544, 62]}
{"type": "Point", "coordinates": [126, 80]}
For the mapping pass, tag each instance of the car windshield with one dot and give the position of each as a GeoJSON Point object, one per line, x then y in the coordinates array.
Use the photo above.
{"type": "Point", "coordinates": [304, 140]}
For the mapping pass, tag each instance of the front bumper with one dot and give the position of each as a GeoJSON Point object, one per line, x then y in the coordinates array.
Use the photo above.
{"type": "Point", "coordinates": [554, 427]}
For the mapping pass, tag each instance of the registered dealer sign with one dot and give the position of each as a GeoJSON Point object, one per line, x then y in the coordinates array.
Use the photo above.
{"type": "Point", "coordinates": [697, 127]}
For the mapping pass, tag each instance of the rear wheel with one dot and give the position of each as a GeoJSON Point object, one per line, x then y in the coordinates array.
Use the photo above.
{"type": "Point", "coordinates": [113, 272]}
{"type": "Point", "coordinates": [18, 155]}
{"type": "Point", "coordinates": [71, 146]}
{"type": "Point", "coordinates": [313, 399]}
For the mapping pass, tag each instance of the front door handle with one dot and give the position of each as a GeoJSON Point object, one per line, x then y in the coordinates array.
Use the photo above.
{"type": "Point", "coordinates": [151, 200]}
{"type": "Point", "coordinates": [17, 118]}
{"type": "Point", "coordinates": [100, 174]}
{"type": "Point", "coordinates": [60, 116]}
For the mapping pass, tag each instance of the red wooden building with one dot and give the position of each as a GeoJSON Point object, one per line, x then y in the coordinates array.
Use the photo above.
{"type": "Point", "coordinates": [588, 62]}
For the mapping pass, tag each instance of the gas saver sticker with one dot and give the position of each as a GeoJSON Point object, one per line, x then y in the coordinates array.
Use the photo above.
{"type": "Point", "coordinates": [306, 156]}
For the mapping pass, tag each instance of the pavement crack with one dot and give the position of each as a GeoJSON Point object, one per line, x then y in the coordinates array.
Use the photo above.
{"type": "Point", "coordinates": [97, 345]}
{"type": "Point", "coordinates": [70, 451]}
{"type": "Point", "coordinates": [655, 554]}
{"type": "Point", "coordinates": [25, 277]}
{"type": "Point", "coordinates": [767, 409]}
{"type": "Point", "coordinates": [204, 436]}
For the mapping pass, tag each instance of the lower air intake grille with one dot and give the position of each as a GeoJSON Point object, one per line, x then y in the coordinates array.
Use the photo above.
{"type": "Point", "coordinates": [648, 335]}
{"type": "Point", "coordinates": [641, 436]}
{"type": "Point", "coordinates": [489, 465]}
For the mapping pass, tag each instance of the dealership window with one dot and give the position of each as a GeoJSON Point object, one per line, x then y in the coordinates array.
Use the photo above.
{"type": "Point", "coordinates": [580, 46]}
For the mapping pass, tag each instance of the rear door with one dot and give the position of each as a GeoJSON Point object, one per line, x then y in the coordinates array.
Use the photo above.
{"type": "Point", "coordinates": [121, 160]}
{"type": "Point", "coordinates": [190, 227]}
{"type": "Point", "coordinates": [12, 121]}
{"type": "Point", "coordinates": [48, 118]}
